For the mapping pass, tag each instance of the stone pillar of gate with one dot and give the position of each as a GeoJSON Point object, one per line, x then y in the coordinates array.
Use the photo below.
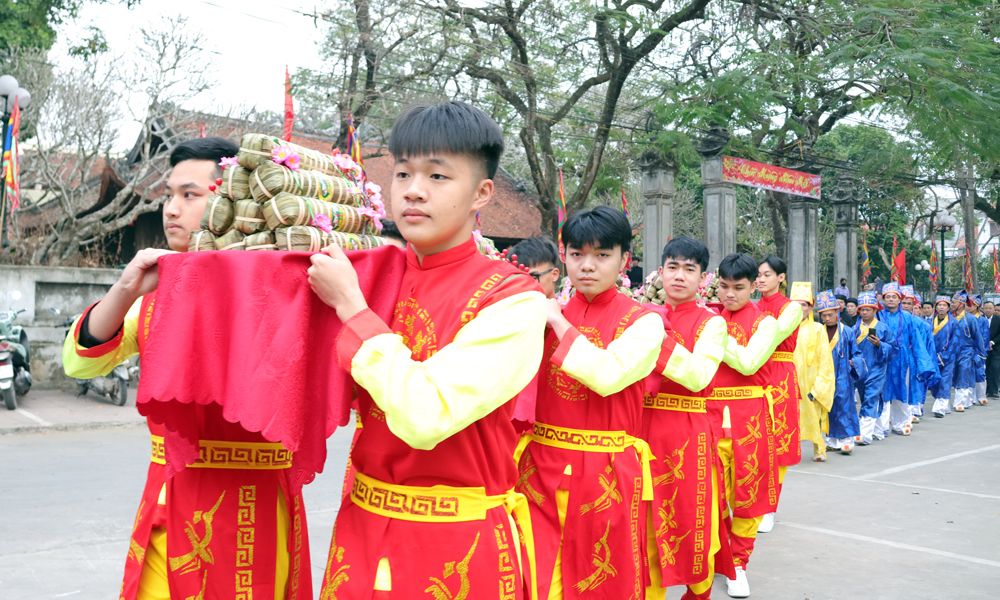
{"type": "Point", "coordinates": [803, 240]}
{"type": "Point", "coordinates": [658, 220]}
{"type": "Point", "coordinates": [718, 199]}
{"type": "Point", "coordinates": [845, 241]}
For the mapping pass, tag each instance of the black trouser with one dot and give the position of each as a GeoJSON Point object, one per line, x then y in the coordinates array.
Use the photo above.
{"type": "Point", "coordinates": [993, 373]}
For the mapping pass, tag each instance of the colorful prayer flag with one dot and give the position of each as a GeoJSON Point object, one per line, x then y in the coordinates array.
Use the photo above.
{"type": "Point", "coordinates": [968, 268]}
{"type": "Point", "coordinates": [561, 208]}
{"type": "Point", "coordinates": [10, 168]}
{"type": "Point", "coordinates": [866, 263]}
{"type": "Point", "coordinates": [934, 268]}
{"type": "Point", "coordinates": [624, 204]}
{"type": "Point", "coordinates": [289, 108]}
{"type": "Point", "coordinates": [353, 145]}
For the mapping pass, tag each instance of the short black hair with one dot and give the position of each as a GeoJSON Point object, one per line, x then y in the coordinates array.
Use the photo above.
{"type": "Point", "coordinates": [776, 263]}
{"type": "Point", "coordinates": [447, 127]}
{"type": "Point", "coordinates": [928, 303]}
{"type": "Point", "coordinates": [601, 227]}
{"type": "Point", "coordinates": [853, 301]}
{"type": "Point", "coordinates": [840, 297]}
{"type": "Point", "coordinates": [209, 148]}
{"type": "Point", "coordinates": [843, 280]}
{"type": "Point", "coordinates": [389, 230]}
{"type": "Point", "coordinates": [534, 251]}
{"type": "Point", "coordinates": [686, 247]}
{"type": "Point", "coordinates": [738, 266]}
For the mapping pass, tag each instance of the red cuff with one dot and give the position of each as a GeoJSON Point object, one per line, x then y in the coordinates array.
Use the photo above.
{"type": "Point", "coordinates": [666, 351]}
{"type": "Point", "coordinates": [564, 345]}
{"type": "Point", "coordinates": [97, 351]}
{"type": "Point", "coordinates": [362, 326]}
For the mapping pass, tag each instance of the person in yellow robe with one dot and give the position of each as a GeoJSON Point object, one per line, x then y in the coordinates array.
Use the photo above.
{"type": "Point", "coordinates": [814, 367]}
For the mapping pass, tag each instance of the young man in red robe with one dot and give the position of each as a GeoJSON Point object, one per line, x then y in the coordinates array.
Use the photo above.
{"type": "Point", "coordinates": [785, 394]}
{"type": "Point", "coordinates": [683, 523]}
{"type": "Point", "coordinates": [429, 513]}
{"type": "Point", "coordinates": [226, 526]}
{"type": "Point", "coordinates": [741, 413]}
{"type": "Point", "coordinates": [585, 471]}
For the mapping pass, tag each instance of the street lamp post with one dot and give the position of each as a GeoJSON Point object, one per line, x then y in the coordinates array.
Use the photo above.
{"type": "Point", "coordinates": [943, 222]}
{"type": "Point", "coordinates": [11, 95]}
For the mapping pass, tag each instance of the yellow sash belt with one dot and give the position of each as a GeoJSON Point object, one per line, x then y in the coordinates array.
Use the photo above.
{"type": "Point", "coordinates": [744, 393]}
{"type": "Point", "coordinates": [443, 504]}
{"type": "Point", "coordinates": [215, 454]}
{"type": "Point", "coordinates": [782, 357]}
{"type": "Point", "coordinates": [737, 393]}
{"type": "Point", "coordinates": [588, 440]}
{"type": "Point", "coordinates": [675, 403]}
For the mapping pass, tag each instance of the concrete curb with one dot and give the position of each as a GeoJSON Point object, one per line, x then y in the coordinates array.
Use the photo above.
{"type": "Point", "coordinates": [84, 426]}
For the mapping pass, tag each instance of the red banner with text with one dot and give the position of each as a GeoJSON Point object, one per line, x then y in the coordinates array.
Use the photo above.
{"type": "Point", "coordinates": [769, 177]}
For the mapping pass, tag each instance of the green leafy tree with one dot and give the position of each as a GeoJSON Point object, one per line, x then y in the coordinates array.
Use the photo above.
{"type": "Point", "coordinates": [32, 23]}
{"type": "Point", "coordinates": [781, 74]}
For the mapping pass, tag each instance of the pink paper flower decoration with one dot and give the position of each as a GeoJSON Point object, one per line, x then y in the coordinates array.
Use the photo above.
{"type": "Point", "coordinates": [322, 222]}
{"type": "Point", "coordinates": [283, 155]}
{"type": "Point", "coordinates": [229, 161]}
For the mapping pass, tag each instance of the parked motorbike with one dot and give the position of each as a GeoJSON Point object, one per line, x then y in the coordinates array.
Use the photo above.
{"type": "Point", "coordinates": [114, 385]}
{"type": "Point", "coordinates": [15, 365]}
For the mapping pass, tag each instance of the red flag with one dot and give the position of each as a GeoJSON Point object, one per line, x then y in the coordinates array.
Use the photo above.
{"type": "Point", "coordinates": [899, 267]}
{"type": "Point", "coordinates": [289, 109]}
{"type": "Point", "coordinates": [894, 273]}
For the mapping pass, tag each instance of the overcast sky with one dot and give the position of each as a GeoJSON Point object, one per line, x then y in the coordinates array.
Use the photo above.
{"type": "Point", "coordinates": [254, 40]}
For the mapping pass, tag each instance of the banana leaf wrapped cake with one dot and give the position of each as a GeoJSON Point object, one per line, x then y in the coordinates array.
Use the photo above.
{"type": "Point", "coordinates": [218, 215]}
{"type": "Point", "coordinates": [285, 210]}
{"type": "Point", "coordinates": [255, 148]}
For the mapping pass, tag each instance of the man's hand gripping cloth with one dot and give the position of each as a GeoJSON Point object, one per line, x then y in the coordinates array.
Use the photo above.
{"type": "Point", "coordinates": [245, 331]}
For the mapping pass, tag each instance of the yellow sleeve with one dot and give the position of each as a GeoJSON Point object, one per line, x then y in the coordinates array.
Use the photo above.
{"type": "Point", "coordinates": [746, 360]}
{"type": "Point", "coordinates": [696, 369]}
{"type": "Point", "coordinates": [87, 363]}
{"type": "Point", "coordinates": [489, 362]}
{"type": "Point", "coordinates": [788, 321]}
{"type": "Point", "coordinates": [625, 361]}
{"type": "Point", "coordinates": [804, 358]}
{"type": "Point", "coordinates": [825, 384]}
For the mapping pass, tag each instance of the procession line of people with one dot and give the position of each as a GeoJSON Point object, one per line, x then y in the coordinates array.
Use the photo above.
{"type": "Point", "coordinates": [509, 446]}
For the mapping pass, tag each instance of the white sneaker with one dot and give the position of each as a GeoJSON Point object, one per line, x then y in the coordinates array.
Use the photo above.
{"type": "Point", "coordinates": [739, 587]}
{"type": "Point", "coordinates": [766, 524]}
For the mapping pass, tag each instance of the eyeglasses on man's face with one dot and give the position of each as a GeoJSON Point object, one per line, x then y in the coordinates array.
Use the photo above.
{"type": "Point", "coordinates": [539, 274]}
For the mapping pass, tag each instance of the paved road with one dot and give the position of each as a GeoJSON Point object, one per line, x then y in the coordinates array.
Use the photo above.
{"type": "Point", "coordinates": [915, 518]}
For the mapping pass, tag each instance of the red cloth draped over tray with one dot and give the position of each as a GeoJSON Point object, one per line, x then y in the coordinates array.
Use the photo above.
{"type": "Point", "coordinates": [244, 330]}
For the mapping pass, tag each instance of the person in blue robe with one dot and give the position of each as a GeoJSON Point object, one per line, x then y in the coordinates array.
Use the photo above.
{"type": "Point", "coordinates": [966, 338]}
{"type": "Point", "coordinates": [849, 367]}
{"type": "Point", "coordinates": [944, 330]}
{"type": "Point", "coordinates": [918, 387]}
{"type": "Point", "coordinates": [877, 348]}
{"type": "Point", "coordinates": [911, 354]}
{"type": "Point", "coordinates": [975, 309]}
